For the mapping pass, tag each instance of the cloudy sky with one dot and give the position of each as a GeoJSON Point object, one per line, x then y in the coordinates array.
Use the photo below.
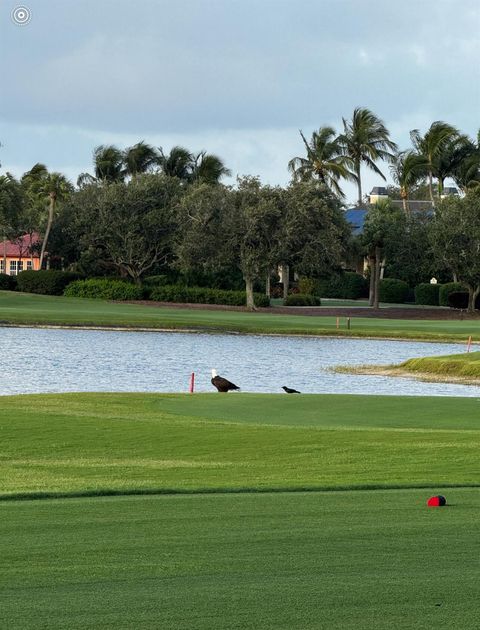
{"type": "Point", "coordinates": [235, 77]}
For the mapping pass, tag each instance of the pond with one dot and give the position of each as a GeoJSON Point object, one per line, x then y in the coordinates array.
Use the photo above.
{"type": "Point", "coordinates": [43, 360]}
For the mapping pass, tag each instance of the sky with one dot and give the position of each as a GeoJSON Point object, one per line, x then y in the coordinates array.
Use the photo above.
{"type": "Point", "coordinates": [237, 78]}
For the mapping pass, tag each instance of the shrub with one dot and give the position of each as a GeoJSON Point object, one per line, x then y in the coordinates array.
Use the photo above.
{"type": "Point", "coordinates": [426, 293]}
{"type": "Point", "coordinates": [458, 299]}
{"type": "Point", "coordinates": [7, 283]}
{"type": "Point", "coordinates": [309, 286]}
{"type": "Point", "coordinates": [104, 289]}
{"type": "Point", "coordinates": [302, 299]}
{"type": "Point", "coordinates": [347, 286]}
{"type": "Point", "coordinates": [393, 291]}
{"type": "Point", "coordinates": [155, 281]}
{"type": "Point", "coordinates": [276, 290]}
{"type": "Point", "coordinates": [446, 289]}
{"type": "Point", "coordinates": [204, 295]}
{"type": "Point", "coordinates": [45, 282]}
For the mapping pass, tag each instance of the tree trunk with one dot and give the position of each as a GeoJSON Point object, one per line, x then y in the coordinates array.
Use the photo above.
{"type": "Point", "coordinates": [51, 209]}
{"type": "Point", "coordinates": [472, 296]}
{"type": "Point", "coordinates": [285, 280]}
{"type": "Point", "coordinates": [376, 299]}
{"type": "Point", "coordinates": [359, 184]}
{"type": "Point", "coordinates": [267, 285]}
{"type": "Point", "coordinates": [430, 186]}
{"type": "Point", "coordinates": [249, 290]}
{"type": "Point", "coordinates": [371, 293]}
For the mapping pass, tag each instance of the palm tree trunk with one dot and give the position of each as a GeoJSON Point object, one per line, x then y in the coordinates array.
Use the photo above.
{"type": "Point", "coordinates": [430, 186]}
{"type": "Point", "coordinates": [51, 209]}
{"type": "Point", "coordinates": [376, 300]}
{"type": "Point", "coordinates": [359, 183]}
{"type": "Point", "coordinates": [371, 292]}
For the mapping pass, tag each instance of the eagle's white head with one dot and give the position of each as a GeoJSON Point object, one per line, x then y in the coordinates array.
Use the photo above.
{"type": "Point", "coordinates": [214, 373]}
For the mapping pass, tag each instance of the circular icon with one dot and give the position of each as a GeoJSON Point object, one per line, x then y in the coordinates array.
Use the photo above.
{"type": "Point", "coordinates": [21, 16]}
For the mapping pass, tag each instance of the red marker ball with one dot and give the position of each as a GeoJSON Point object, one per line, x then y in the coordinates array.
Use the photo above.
{"type": "Point", "coordinates": [437, 501]}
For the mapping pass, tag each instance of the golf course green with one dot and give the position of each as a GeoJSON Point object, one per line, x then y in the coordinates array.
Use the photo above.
{"type": "Point", "coordinates": [29, 309]}
{"type": "Point", "coordinates": [252, 511]}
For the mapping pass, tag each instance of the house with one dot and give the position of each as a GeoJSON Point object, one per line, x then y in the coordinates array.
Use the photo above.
{"type": "Point", "coordinates": [20, 254]}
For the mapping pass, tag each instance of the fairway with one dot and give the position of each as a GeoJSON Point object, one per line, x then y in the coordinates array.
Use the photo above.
{"type": "Point", "coordinates": [258, 511]}
{"type": "Point", "coordinates": [29, 309]}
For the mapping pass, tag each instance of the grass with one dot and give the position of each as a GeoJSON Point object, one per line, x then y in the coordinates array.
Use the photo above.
{"type": "Point", "coordinates": [238, 543]}
{"type": "Point", "coordinates": [335, 561]}
{"type": "Point", "coordinates": [29, 309]}
{"type": "Point", "coordinates": [465, 365]}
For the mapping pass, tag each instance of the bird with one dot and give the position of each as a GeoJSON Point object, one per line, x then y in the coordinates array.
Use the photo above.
{"type": "Point", "coordinates": [221, 383]}
{"type": "Point", "coordinates": [289, 390]}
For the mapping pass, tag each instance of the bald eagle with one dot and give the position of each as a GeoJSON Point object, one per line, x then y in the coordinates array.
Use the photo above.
{"type": "Point", "coordinates": [289, 390]}
{"type": "Point", "coordinates": [221, 383]}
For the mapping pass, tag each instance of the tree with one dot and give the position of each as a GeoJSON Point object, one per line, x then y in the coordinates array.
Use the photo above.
{"type": "Point", "coordinates": [365, 140]}
{"type": "Point", "coordinates": [407, 170]}
{"type": "Point", "coordinates": [324, 161]}
{"type": "Point", "coordinates": [431, 145]}
{"type": "Point", "coordinates": [467, 172]}
{"type": "Point", "coordinates": [44, 191]}
{"type": "Point", "coordinates": [455, 237]}
{"type": "Point", "coordinates": [178, 163]}
{"type": "Point", "coordinates": [11, 208]}
{"type": "Point", "coordinates": [141, 158]}
{"type": "Point", "coordinates": [108, 162]}
{"type": "Point", "coordinates": [383, 226]}
{"type": "Point", "coordinates": [208, 168]}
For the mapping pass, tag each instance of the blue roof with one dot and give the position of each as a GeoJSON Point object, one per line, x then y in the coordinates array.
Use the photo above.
{"type": "Point", "coordinates": [356, 218]}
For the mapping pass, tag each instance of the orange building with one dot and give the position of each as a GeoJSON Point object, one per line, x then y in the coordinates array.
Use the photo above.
{"type": "Point", "coordinates": [20, 254]}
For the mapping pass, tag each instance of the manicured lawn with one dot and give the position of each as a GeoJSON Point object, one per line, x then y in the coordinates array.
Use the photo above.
{"type": "Point", "coordinates": [18, 308]}
{"type": "Point", "coordinates": [100, 443]}
{"type": "Point", "coordinates": [466, 365]}
{"type": "Point", "coordinates": [237, 543]}
{"type": "Point", "coordinates": [336, 561]}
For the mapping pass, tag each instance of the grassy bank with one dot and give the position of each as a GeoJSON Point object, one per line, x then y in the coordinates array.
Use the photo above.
{"type": "Point", "coordinates": [101, 443]}
{"type": "Point", "coordinates": [29, 309]}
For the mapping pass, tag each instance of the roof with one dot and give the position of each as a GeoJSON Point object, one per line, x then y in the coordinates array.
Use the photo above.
{"type": "Point", "coordinates": [379, 190]}
{"type": "Point", "coordinates": [20, 247]}
{"type": "Point", "coordinates": [356, 218]}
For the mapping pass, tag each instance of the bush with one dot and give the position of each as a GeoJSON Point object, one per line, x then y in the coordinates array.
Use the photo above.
{"type": "Point", "coordinates": [45, 282]}
{"type": "Point", "coordinates": [446, 289]}
{"type": "Point", "coordinates": [155, 281]}
{"type": "Point", "coordinates": [427, 293]}
{"type": "Point", "coordinates": [393, 291]}
{"type": "Point", "coordinates": [458, 299]}
{"type": "Point", "coordinates": [302, 299]}
{"type": "Point", "coordinates": [347, 286]}
{"type": "Point", "coordinates": [204, 295]}
{"type": "Point", "coordinates": [7, 283]}
{"type": "Point", "coordinates": [104, 289]}
{"type": "Point", "coordinates": [309, 286]}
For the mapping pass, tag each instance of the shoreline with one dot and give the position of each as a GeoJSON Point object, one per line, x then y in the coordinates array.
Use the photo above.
{"type": "Point", "coordinates": [210, 331]}
{"type": "Point", "coordinates": [426, 377]}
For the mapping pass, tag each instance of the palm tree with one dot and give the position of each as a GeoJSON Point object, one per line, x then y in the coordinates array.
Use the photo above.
{"type": "Point", "coordinates": [467, 172]}
{"type": "Point", "coordinates": [366, 140]}
{"type": "Point", "coordinates": [108, 164]}
{"type": "Point", "coordinates": [407, 169]}
{"type": "Point", "coordinates": [209, 168]}
{"type": "Point", "coordinates": [431, 145]}
{"type": "Point", "coordinates": [178, 163]}
{"type": "Point", "coordinates": [324, 160]}
{"type": "Point", "coordinates": [44, 186]}
{"type": "Point", "coordinates": [141, 158]}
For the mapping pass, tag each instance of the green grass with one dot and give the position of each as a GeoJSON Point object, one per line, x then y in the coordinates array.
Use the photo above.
{"type": "Point", "coordinates": [238, 543]}
{"type": "Point", "coordinates": [332, 561]}
{"type": "Point", "coordinates": [101, 443]}
{"type": "Point", "coordinates": [29, 309]}
{"type": "Point", "coordinates": [465, 365]}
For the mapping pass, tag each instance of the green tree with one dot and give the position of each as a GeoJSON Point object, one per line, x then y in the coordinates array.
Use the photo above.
{"type": "Point", "coordinates": [407, 170]}
{"type": "Point", "coordinates": [324, 161]}
{"type": "Point", "coordinates": [208, 168]}
{"type": "Point", "coordinates": [140, 158]}
{"type": "Point", "coordinates": [455, 238]}
{"type": "Point", "coordinates": [178, 163]}
{"type": "Point", "coordinates": [108, 164]}
{"type": "Point", "coordinates": [467, 172]}
{"type": "Point", "coordinates": [11, 208]}
{"type": "Point", "coordinates": [365, 140]}
{"type": "Point", "coordinates": [383, 225]}
{"type": "Point", "coordinates": [431, 146]}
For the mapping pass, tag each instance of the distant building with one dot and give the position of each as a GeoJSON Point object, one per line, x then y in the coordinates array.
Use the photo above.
{"type": "Point", "coordinates": [378, 193]}
{"type": "Point", "coordinates": [20, 254]}
{"type": "Point", "coordinates": [449, 191]}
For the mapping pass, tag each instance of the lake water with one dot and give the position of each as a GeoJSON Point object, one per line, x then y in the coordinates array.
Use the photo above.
{"type": "Point", "coordinates": [41, 360]}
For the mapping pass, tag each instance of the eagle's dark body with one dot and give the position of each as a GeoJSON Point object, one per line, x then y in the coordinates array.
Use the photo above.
{"type": "Point", "coordinates": [289, 390]}
{"type": "Point", "coordinates": [222, 384]}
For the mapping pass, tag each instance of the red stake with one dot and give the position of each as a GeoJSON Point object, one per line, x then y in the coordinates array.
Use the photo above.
{"type": "Point", "coordinates": [192, 382]}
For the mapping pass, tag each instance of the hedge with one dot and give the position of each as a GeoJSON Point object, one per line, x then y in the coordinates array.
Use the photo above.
{"type": "Point", "coordinates": [302, 299]}
{"type": "Point", "coordinates": [458, 299]}
{"type": "Point", "coordinates": [104, 289]}
{"type": "Point", "coordinates": [7, 283]}
{"type": "Point", "coordinates": [393, 291]}
{"type": "Point", "coordinates": [426, 293]}
{"type": "Point", "coordinates": [45, 282]}
{"type": "Point", "coordinates": [446, 289]}
{"type": "Point", "coordinates": [204, 295]}
{"type": "Point", "coordinates": [347, 286]}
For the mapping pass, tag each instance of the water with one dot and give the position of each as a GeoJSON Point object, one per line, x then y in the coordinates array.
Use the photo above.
{"type": "Point", "coordinates": [38, 360]}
